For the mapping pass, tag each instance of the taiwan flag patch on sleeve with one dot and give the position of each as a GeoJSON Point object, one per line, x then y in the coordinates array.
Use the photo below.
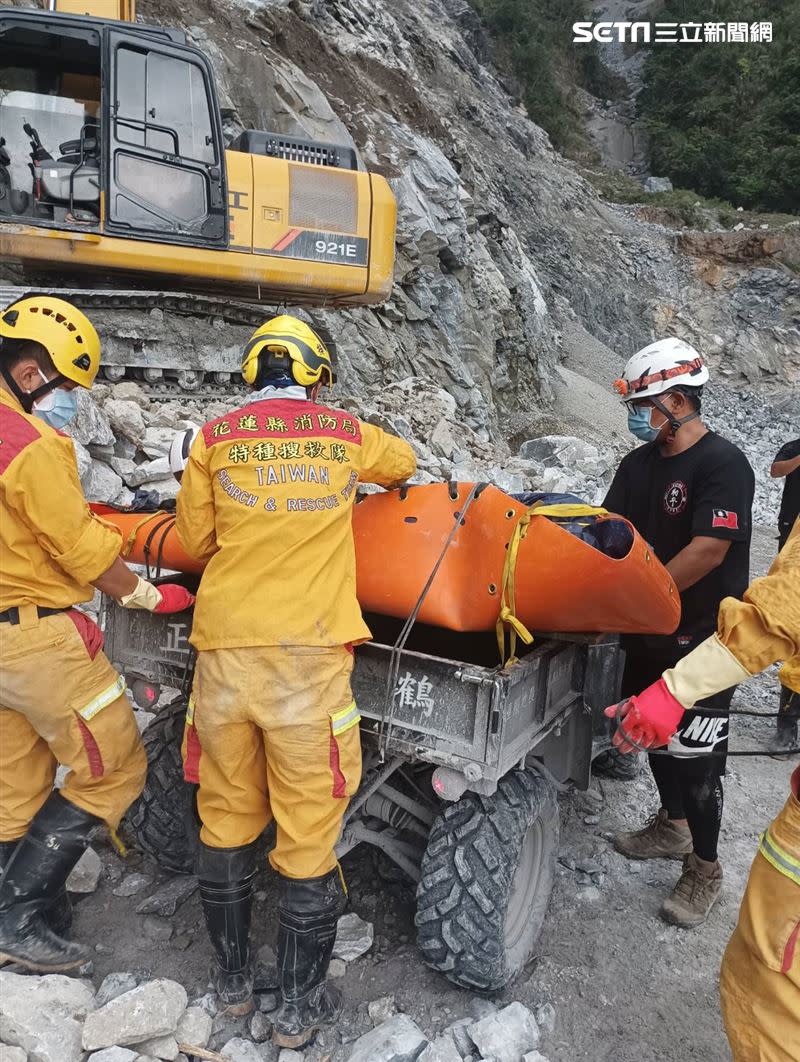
{"type": "Point", "coordinates": [724, 518]}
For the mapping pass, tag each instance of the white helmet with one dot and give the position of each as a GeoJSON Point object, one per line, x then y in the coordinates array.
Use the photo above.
{"type": "Point", "coordinates": [662, 365]}
{"type": "Point", "coordinates": [179, 449]}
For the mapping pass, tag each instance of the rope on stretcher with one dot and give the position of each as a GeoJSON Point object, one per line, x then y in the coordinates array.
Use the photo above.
{"type": "Point", "coordinates": [507, 619]}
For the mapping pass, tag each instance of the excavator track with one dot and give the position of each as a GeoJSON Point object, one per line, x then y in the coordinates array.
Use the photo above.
{"type": "Point", "coordinates": [161, 382]}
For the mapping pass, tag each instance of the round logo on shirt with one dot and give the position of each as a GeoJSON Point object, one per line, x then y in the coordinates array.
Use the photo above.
{"type": "Point", "coordinates": [675, 497]}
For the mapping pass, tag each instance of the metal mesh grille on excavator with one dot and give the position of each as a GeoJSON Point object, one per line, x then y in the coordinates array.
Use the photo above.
{"type": "Point", "coordinates": [326, 201]}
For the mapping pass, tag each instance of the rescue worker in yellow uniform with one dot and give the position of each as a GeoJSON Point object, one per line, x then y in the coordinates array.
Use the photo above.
{"type": "Point", "coordinates": [61, 701]}
{"type": "Point", "coordinates": [760, 978]}
{"type": "Point", "coordinates": [272, 731]}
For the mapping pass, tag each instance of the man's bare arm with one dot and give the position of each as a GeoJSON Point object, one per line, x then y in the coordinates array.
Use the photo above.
{"type": "Point", "coordinates": [701, 556]}
{"type": "Point", "coordinates": [784, 468]}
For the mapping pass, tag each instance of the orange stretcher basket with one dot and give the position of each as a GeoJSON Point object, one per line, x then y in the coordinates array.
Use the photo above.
{"type": "Point", "coordinates": [504, 563]}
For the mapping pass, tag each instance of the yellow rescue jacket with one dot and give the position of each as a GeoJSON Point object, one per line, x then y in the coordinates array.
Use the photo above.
{"type": "Point", "coordinates": [266, 499]}
{"type": "Point", "coordinates": [765, 625]}
{"type": "Point", "coordinates": [51, 546]}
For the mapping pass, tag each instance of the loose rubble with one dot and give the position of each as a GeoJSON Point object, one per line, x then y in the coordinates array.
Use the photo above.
{"type": "Point", "coordinates": [354, 937]}
{"type": "Point", "coordinates": [59, 1019]}
{"type": "Point", "coordinates": [85, 875]}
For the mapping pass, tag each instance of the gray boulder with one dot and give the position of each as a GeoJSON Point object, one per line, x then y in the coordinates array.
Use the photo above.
{"type": "Point", "coordinates": [150, 1010]}
{"type": "Point", "coordinates": [194, 1028]}
{"type": "Point", "coordinates": [113, 1054]}
{"type": "Point", "coordinates": [240, 1050]}
{"type": "Point", "coordinates": [442, 1049]}
{"type": "Point", "coordinates": [12, 1054]}
{"type": "Point", "coordinates": [397, 1040]}
{"type": "Point", "coordinates": [126, 419]}
{"type": "Point", "coordinates": [162, 1047]}
{"type": "Point", "coordinates": [101, 483]}
{"type": "Point", "coordinates": [43, 1015]}
{"type": "Point", "coordinates": [90, 425]}
{"type": "Point", "coordinates": [114, 984]}
{"type": "Point", "coordinates": [506, 1035]}
{"type": "Point", "coordinates": [85, 875]}
{"type": "Point", "coordinates": [354, 937]}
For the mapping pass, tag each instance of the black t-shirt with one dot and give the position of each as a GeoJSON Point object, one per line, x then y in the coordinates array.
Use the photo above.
{"type": "Point", "coordinates": [706, 490]}
{"type": "Point", "coordinates": [790, 503]}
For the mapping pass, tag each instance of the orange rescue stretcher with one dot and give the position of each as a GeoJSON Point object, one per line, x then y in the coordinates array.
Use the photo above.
{"type": "Point", "coordinates": [501, 564]}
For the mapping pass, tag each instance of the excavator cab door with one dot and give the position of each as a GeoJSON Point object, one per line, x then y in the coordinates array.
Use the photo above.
{"type": "Point", "coordinates": [165, 166]}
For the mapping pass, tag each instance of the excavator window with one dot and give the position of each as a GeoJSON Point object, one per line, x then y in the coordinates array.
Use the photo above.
{"type": "Point", "coordinates": [49, 114]}
{"type": "Point", "coordinates": [172, 94]}
{"type": "Point", "coordinates": [166, 165]}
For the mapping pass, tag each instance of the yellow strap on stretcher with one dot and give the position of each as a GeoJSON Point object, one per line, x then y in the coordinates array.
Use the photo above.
{"type": "Point", "coordinates": [507, 618]}
{"type": "Point", "coordinates": [128, 546]}
{"type": "Point", "coordinates": [567, 511]}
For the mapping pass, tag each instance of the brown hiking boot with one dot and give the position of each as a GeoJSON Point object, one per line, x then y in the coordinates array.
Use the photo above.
{"type": "Point", "coordinates": [659, 838]}
{"type": "Point", "coordinates": [698, 889]}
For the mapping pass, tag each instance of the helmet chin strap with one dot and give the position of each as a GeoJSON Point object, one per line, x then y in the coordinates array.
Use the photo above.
{"type": "Point", "coordinates": [27, 399]}
{"type": "Point", "coordinates": [673, 421]}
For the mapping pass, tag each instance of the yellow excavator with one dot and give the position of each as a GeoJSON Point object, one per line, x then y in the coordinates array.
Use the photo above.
{"type": "Point", "coordinates": [112, 161]}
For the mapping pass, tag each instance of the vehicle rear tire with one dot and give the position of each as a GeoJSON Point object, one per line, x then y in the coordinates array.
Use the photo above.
{"type": "Point", "coordinates": [164, 821]}
{"type": "Point", "coordinates": [487, 876]}
{"type": "Point", "coordinates": [615, 764]}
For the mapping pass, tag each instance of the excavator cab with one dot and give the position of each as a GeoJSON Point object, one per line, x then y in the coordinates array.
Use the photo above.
{"type": "Point", "coordinates": [113, 160]}
{"type": "Point", "coordinates": [145, 157]}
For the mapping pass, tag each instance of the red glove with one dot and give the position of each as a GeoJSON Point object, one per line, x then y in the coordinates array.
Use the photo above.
{"type": "Point", "coordinates": [90, 633]}
{"type": "Point", "coordinates": [649, 719]}
{"type": "Point", "coordinates": [174, 598]}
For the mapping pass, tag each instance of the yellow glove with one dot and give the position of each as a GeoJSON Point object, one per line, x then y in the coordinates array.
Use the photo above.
{"type": "Point", "coordinates": [169, 597]}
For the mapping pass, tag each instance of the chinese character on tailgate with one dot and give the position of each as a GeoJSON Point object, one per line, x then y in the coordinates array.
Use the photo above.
{"type": "Point", "coordinates": [339, 453]}
{"type": "Point", "coordinates": [275, 424]}
{"type": "Point", "coordinates": [348, 426]}
{"type": "Point", "coordinates": [326, 422]}
{"type": "Point", "coordinates": [223, 428]}
{"type": "Point", "coordinates": [238, 453]}
{"type": "Point", "coordinates": [248, 423]}
{"type": "Point", "coordinates": [303, 423]}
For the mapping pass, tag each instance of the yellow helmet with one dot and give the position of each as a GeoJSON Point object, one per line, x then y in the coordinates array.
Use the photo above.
{"type": "Point", "coordinates": [289, 344]}
{"type": "Point", "coordinates": [67, 334]}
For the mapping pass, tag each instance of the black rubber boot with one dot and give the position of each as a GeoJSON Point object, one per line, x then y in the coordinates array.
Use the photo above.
{"type": "Point", "coordinates": [308, 911]}
{"type": "Point", "coordinates": [59, 915]}
{"type": "Point", "coordinates": [789, 713]}
{"type": "Point", "coordinates": [34, 877]}
{"type": "Point", "coordinates": [226, 889]}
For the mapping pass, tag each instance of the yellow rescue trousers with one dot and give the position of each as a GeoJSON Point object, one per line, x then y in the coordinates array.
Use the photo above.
{"type": "Point", "coordinates": [59, 706]}
{"type": "Point", "coordinates": [272, 732]}
{"type": "Point", "coordinates": [760, 977]}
